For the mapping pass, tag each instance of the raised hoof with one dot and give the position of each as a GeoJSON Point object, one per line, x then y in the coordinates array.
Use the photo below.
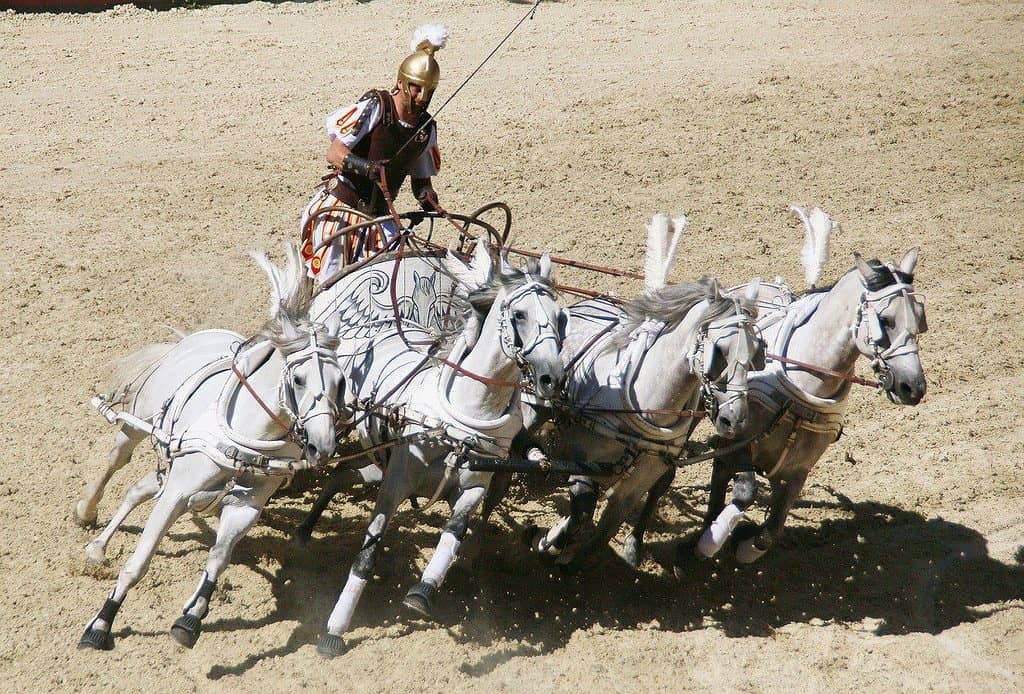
{"type": "Point", "coordinates": [186, 630]}
{"type": "Point", "coordinates": [420, 598]}
{"type": "Point", "coordinates": [744, 531]}
{"type": "Point", "coordinates": [97, 640]}
{"type": "Point", "coordinates": [686, 559]}
{"type": "Point", "coordinates": [632, 549]}
{"type": "Point", "coordinates": [83, 519]}
{"type": "Point", "coordinates": [330, 646]}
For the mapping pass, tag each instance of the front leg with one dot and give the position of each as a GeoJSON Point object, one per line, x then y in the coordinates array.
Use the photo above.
{"type": "Point", "coordinates": [785, 492]}
{"type": "Point", "coordinates": [583, 493]}
{"type": "Point", "coordinates": [241, 508]}
{"type": "Point", "coordinates": [420, 597]}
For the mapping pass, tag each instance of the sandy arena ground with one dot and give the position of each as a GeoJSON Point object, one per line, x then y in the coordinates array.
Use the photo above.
{"type": "Point", "coordinates": [142, 153]}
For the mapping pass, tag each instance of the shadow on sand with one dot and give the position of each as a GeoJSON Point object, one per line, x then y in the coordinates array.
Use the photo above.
{"type": "Point", "coordinates": [853, 562]}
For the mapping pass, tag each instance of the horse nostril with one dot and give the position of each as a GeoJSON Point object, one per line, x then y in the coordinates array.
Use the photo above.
{"type": "Point", "coordinates": [312, 453]}
{"type": "Point", "coordinates": [545, 380]}
{"type": "Point", "coordinates": [725, 422]}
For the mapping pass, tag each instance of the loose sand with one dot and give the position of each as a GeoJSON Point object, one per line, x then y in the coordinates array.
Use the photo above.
{"type": "Point", "coordinates": [142, 153]}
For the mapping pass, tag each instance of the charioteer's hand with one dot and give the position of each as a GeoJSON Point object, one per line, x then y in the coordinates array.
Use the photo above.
{"type": "Point", "coordinates": [354, 164]}
{"type": "Point", "coordinates": [536, 455]}
{"type": "Point", "coordinates": [428, 199]}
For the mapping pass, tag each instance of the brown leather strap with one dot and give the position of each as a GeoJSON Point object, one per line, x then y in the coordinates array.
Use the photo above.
{"type": "Point", "coordinates": [289, 430]}
{"type": "Point", "coordinates": [821, 370]}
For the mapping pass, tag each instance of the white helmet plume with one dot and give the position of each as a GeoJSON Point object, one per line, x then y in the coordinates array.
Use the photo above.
{"type": "Point", "coordinates": [818, 228]}
{"type": "Point", "coordinates": [429, 38]}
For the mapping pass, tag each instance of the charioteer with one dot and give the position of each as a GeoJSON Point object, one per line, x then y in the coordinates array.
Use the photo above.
{"type": "Point", "coordinates": [375, 144]}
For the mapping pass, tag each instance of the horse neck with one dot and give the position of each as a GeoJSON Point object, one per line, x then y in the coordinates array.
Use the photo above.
{"type": "Point", "coordinates": [666, 379]}
{"type": "Point", "coordinates": [245, 415]}
{"type": "Point", "coordinates": [486, 359]}
{"type": "Point", "coordinates": [825, 339]}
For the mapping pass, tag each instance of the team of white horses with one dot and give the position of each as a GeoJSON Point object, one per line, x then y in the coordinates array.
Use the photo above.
{"type": "Point", "coordinates": [459, 369]}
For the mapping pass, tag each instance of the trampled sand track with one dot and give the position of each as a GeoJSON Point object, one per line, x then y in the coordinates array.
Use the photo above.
{"type": "Point", "coordinates": [142, 153]}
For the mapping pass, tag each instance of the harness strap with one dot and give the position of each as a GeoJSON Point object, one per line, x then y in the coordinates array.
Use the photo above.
{"type": "Point", "coordinates": [821, 370]}
{"type": "Point", "coordinates": [289, 429]}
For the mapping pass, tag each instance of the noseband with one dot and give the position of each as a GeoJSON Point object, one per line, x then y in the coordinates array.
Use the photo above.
{"type": "Point", "coordinates": [870, 334]}
{"type": "Point", "coordinates": [512, 344]}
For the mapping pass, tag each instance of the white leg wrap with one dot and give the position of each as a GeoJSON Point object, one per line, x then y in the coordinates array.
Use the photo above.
{"type": "Point", "coordinates": [716, 535]}
{"type": "Point", "coordinates": [747, 553]}
{"type": "Point", "coordinates": [442, 560]}
{"type": "Point", "coordinates": [547, 543]}
{"type": "Point", "coordinates": [341, 615]}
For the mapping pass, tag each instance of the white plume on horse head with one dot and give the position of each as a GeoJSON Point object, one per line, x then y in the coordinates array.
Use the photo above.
{"type": "Point", "coordinates": [288, 285]}
{"type": "Point", "coordinates": [661, 249]}
{"type": "Point", "coordinates": [818, 229]}
{"type": "Point", "coordinates": [434, 36]}
{"type": "Point", "coordinates": [474, 274]}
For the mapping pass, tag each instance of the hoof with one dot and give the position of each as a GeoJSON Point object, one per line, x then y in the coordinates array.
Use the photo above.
{"type": "Point", "coordinates": [186, 630]}
{"type": "Point", "coordinates": [527, 535]}
{"type": "Point", "coordinates": [95, 554]}
{"type": "Point", "coordinates": [632, 549]}
{"type": "Point", "coordinates": [330, 646]}
{"type": "Point", "coordinates": [97, 640]}
{"type": "Point", "coordinates": [420, 598]}
{"type": "Point", "coordinates": [744, 531]}
{"type": "Point", "coordinates": [686, 560]}
{"type": "Point", "coordinates": [83, 518]}
{"type": "Point", "coordinates": [301, 537]}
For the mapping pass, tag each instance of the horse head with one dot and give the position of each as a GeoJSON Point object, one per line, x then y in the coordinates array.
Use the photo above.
{"type": "Point", "coordinates": [889, 320]}
{"type": "Point", "coordinates": [311, 381]}
{"type": "Point", "coordinates": [730, 349]}
{"type": "Point", "coordinates": [532, 324]}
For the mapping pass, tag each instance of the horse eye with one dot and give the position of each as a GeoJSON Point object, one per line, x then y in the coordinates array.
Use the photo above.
{"type": "Point", "coordinates": [519, 315]}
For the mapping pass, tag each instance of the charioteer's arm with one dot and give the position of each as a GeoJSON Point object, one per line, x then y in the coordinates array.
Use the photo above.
{"type": "Point", "coordinates": [425, 194]}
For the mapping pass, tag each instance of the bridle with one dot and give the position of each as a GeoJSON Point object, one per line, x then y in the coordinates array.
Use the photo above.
{"type": "Point", "coordinates": [299, 417]}
{"type": "Point", "coordinates": [512, 343]}
{"type": "Point", "coordinates": [874, 341]}
{"type": "Point", "coordinates": [738, 325]}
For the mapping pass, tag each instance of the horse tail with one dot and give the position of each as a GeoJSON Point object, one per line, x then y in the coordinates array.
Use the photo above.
{"type": "Point", "coordinates": [129, 373]}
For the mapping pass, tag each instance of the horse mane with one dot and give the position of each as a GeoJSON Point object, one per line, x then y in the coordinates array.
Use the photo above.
{"type": "Point", "coordinates": [481, 299]}
{"type": "Point", "coordinates": [882, 275]}
{"type": "Point", "coordinates": [671, 304]}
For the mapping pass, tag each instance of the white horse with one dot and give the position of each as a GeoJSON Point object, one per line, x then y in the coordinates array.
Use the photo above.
{"type": "Point", "coordinates": [447, 411]}
{"type": "Point", "coordinates": [634, 395]}
{"type": "Point", "coordinates": [232, 433]}
{"type": "Point", "coordinates": [798, 401]}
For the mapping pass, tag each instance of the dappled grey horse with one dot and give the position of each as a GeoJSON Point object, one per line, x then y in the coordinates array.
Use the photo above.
{"type": "Point", "coordinates": [639, 376]}
{"type": "Point", "coordinates": [440, 413]}
{"type": "Point", "coordinates": [232, 422]}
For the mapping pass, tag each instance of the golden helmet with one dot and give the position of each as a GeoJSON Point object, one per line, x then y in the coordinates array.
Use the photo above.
{"type": "Point", "coordinates": [419, 67]}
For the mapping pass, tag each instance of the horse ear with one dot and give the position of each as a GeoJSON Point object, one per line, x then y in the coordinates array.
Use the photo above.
{"type": "Point", "coordinates": [545, 266]}
{"type": "Point", "coordinates": [504, 266]}
{"type": "Point", "coordinates": [862, 266]}
{"type": "Point", "coordinates": [752, 290]}
{"type": "Point", "coordinates": [334, 324]}
{"type": "Point", "coordinates": [909, 261]}
{"type": "Point", "coordinates": [716, 290]}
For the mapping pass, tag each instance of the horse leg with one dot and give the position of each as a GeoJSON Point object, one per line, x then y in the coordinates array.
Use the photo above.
{"type": "Point", "coordinates": [337, 481]}
{"type": "Point", "coordinates": [398, 485]}
{"type": "Point", "coordinates": [634, 544]}
{"type": "Point", "coordinates": [785, 492]}
{"type": "Point", "coordinates": [718, 531]}
{"type": "Point", "coordinates": [420, 597]}
{"type": "Point", "coordinates": [168, 508]}
{"type": "Point", "coordinates": [239, 512]}
{"type": "Point", "coordinates": [622, 499]}
{"type": "Point", "coordinates": [143, 490]}
{"type": "Point", "coordinates": [124, 444]}
{"type": "Point", "coordinates": [496, 492]}
{"type": "Point", "coordinates": [583, 492]}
